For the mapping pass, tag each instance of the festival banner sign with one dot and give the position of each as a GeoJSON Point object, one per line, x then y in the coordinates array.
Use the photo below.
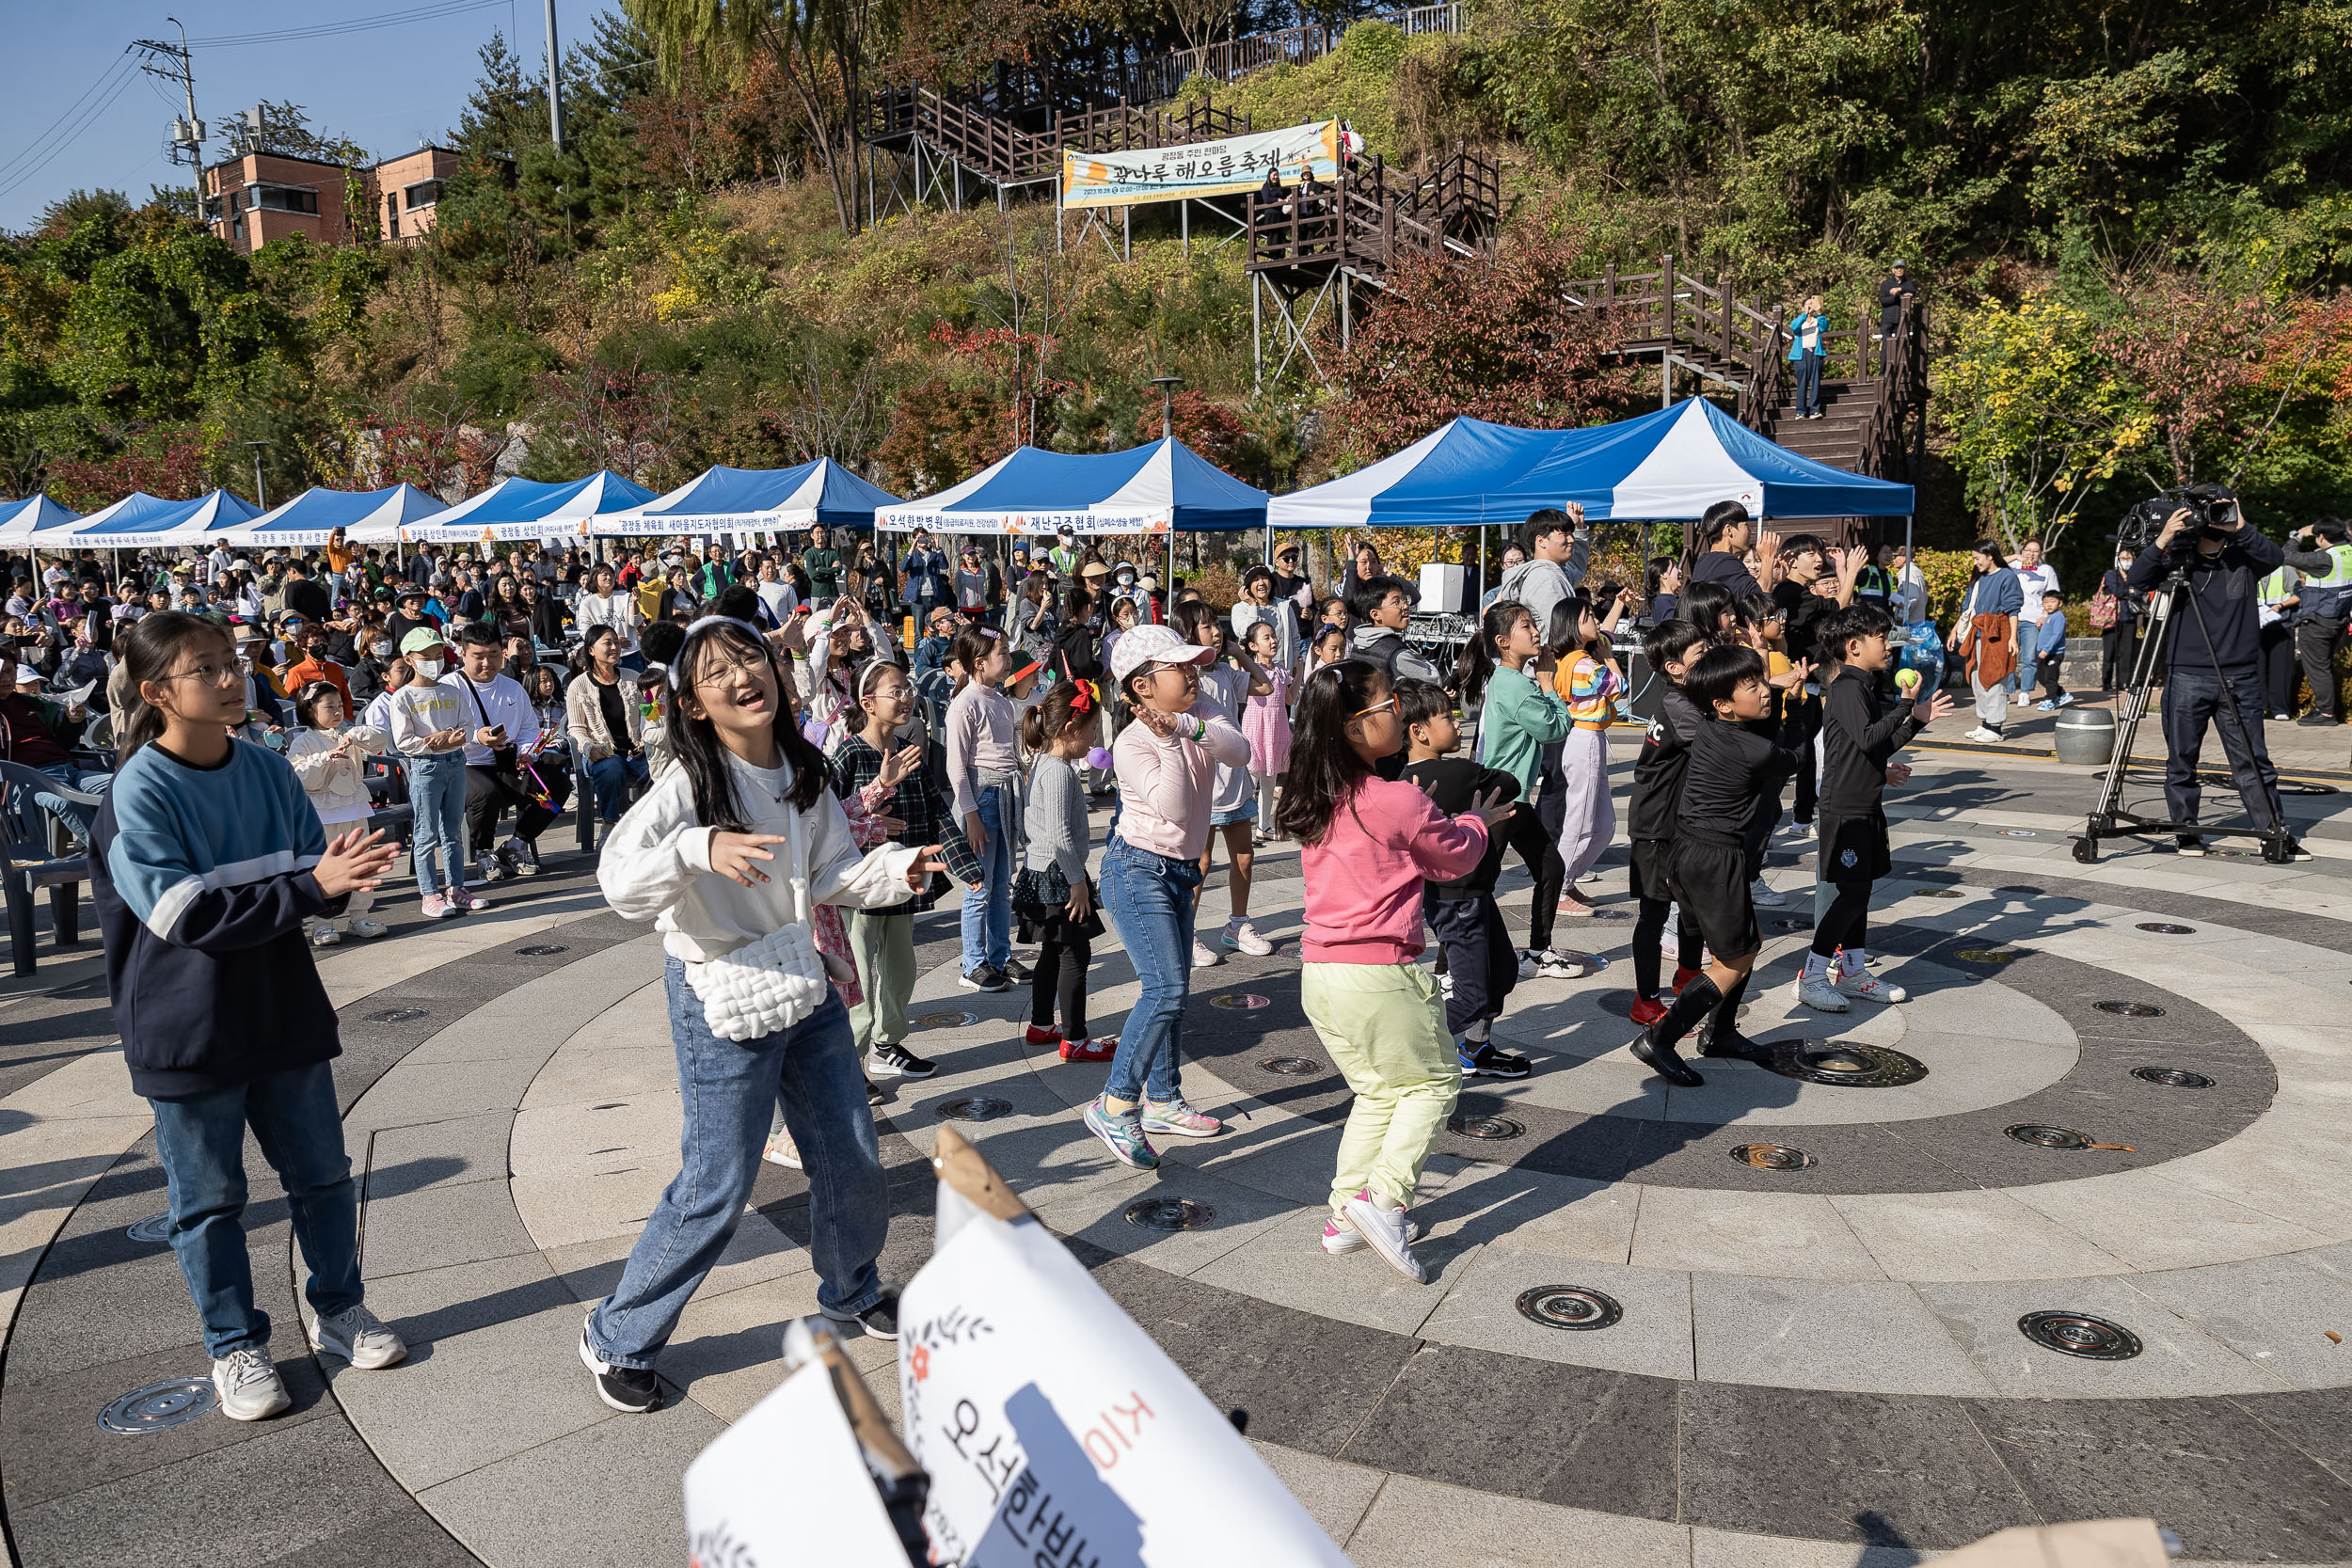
{"type": "Point", "coordinates": [1226, 167]}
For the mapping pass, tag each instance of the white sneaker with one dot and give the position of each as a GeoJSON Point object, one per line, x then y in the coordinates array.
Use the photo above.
{"type": "Point", "coordinates": [1242, 935]}
{"type": "Point", "coordinates": [782, 1151]}
{"type": "Point", "coordinates": [1867, 987]}
{"type": "Point", "coordinates": [1340, 1239]}
{"type": "Point", "coordinates": [2045, 706]}
{"type": "Point", "coordinates": [1202, 957]}
{"type": "Point", "coordinates": [2065, 698]}
{"type": "Point", "coordinates": [1445, 985]}
{"type": "Point", "coordinates": [326, 936]}
{"type": "Point", "coordinates": [1982, 737]}
{"type": "Point", "coordinates": [362, 926]}
{"type": "Point", "coordinates": [1761, 893]}
{"type": "Point", "coordinates": [1552, 964]}
{"type": "Point", "coordinates": [1386, 1230]}
{"type": "Point", "coordinates": [359, 1337]}
{"type": "Point", "coordinates": [1819, 993]}
{"type": "Point", "coordinates": [249, 1386]}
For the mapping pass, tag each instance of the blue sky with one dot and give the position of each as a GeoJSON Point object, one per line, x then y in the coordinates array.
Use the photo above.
{"type": "Point", "coordinates": [385, 88]}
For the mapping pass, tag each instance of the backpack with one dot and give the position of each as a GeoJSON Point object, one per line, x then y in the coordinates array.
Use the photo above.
{"type": "Point", "coordinates": [2105, 609]}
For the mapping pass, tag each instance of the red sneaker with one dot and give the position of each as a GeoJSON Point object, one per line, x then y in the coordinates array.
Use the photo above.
{"type": "Point", "coordinates": [1090, 1050]}
{"type": "Point", "coordinates": [1648, 1010]}
{"type": "Point", "coordinates": [1683, 977]}
{"type": "Point", "coordinates": [1042, 1036]}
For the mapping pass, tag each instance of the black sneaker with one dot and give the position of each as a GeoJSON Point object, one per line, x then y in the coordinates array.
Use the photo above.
{"type": "Point", "coordinates": [986, 978]}
{"type": "Point", "coordinates": [520, 857]}
{"type": "Point", "coordinates": [630, 1390]}
{"type": "Point", "coordinates": [1487, 1062]}
{"type": "Point", "coordinates": [881, 1320]}
{"type": "Point", "coordinates": [897, 1061]}
{"type": "Point", "coordinates": [1015, 971]}
{"type": "Point", "coordinates": [1731, 1043]}
{"type": "Point", "coordinates": [2187, 844]}
{"type": "Point", "coordinates": [2312, 720]}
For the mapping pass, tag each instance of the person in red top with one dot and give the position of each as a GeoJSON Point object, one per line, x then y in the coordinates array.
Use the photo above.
{"type": "Point", "coordinates": [314, 665]}
{"type": "Point", "coordinates": [1369, 844]}
{"type": "Point", "coordinates": [39, 734]}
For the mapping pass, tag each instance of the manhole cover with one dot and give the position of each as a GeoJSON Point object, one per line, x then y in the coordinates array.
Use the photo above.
{"type": "Point", "coordinates": [946, 1021]}
{"type": "Point", "coordinates": [2019, 890]}
{"type": "Point", "coordinates": [1771, 1156]}
{"type": "Point", "coordinates": [1485, 1127]}
{"type": "Point", "coordinates": [1568, 1306]}
{"type": "Point", "coordinates": [1292, 1067]}
{"type": "Point", "coordinates": [155, 1227]}
{"type": "Point", "coordinates": [1989, 954]}
{"type": "Point", "coordinates": [541, 950]}
{"type": "Point", "coordinates": [2080, 1333]}
{"type": "Point", "coordinates": [2172, 1077]}
{"type": "Point", "coordinates": [399, 1015]}
{"type": "Point", "coordinates": [1241, 1004]}
{"type": "Point", "coordinates": [2129, 1009]}
{"type": "Point", "coordinates": [2166, 928]}
{"type": "Point", "coordinates": [2017, 832]}
{"type": "Point", "coordinates": [974, 1107]}
{"type": "Point", "coordinates": [1844, 1064]}
{"type": "Point", "coordinates": [159, 1407]}
{"type": "Point", "coordinates": [2039, 1137]}
{"type": "Point", "coordinates": [1170, 1213]}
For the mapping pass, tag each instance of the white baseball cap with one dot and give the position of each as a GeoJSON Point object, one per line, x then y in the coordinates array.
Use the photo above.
{"type": "Point", "coordinates": [1154, 645]}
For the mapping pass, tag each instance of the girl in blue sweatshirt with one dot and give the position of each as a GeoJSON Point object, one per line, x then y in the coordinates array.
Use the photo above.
{"type": "Point", "coordinates": [205, 863]}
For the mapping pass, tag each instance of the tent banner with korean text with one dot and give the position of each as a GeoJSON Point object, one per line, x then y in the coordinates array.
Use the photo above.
{"type": "Point", "coordinates": [1226, 167]}
{"type": "Point", "coordinates": [1055, 1431]}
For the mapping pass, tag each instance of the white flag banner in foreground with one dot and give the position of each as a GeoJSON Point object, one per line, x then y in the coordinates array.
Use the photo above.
{"type": "Point", "coordinates": [789, 1483]}
{"type": "Point", "coordinates": [1055, 1431]}
{"type": "Point", "coordinates": [1225, 167]}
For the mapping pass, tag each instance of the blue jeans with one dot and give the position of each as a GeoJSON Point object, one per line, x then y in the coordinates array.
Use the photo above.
{"type": "Point", "coordinates": [1808, 383]}
{"type": "Point", "coordinates": [437, 803]}
{"type": "Point", "coordinates": [2027, 656]}
{"type": "Point", "coordinates": [1149, 899]}
{"type": "Point", "coordinates": [730, 1089]}
{"type": "Point", "coordinates": [76, 816]}
{"type": "Point", "coordinates": [988, 908]}
{"type": "Point", "coordinates": [611, 776]}
{"type": "Point", "coordinates": [201, 1143]}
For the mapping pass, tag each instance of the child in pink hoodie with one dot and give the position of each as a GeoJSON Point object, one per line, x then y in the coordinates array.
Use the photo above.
{"type": "Point", "coordinates": [1368, 844]}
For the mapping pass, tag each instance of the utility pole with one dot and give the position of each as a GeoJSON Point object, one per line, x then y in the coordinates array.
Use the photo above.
{"type": "Point", "coordinates": [261, 496]}
{"type": "Point", "coordinates": [555, 86]}
{"type": "Point", "coordinates": [185, 143]}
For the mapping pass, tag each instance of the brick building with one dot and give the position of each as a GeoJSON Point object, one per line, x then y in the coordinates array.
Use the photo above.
{"type": "Point", "coordinates": [260, 196]}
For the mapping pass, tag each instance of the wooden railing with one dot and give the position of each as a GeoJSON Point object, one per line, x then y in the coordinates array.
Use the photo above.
{"type": "Point", "coordinates": [1373, 216]}
{"type": "Point", "coordinates": [1125, 129]}
{"type": "Point", "coordinates": [985, 143]}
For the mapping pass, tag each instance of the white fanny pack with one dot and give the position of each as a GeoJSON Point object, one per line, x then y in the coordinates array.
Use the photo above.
{"type": "Point", "coordinates": [770, 983]}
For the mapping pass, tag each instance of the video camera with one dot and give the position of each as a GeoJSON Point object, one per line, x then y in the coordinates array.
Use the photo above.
{"type": "Point", "coordinates": [2213, 508]}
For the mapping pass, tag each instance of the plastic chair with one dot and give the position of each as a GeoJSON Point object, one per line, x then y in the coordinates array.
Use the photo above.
{"type": "Point", "coordinates": [31, 863]}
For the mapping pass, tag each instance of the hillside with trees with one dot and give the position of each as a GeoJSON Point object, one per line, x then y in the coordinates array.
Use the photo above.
{"type": "Point", "coordinates": [2130, 224]}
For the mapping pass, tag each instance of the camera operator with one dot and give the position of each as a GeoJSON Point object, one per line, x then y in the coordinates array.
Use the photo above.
{"type": "Point", "coordinates": [2323, 599]}
{"type": "Point", "coordinates": [2215, 657]}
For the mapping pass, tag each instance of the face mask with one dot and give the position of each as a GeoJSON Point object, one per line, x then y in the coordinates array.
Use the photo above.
{"type": "Point", "coordinates": [430, 668]}
{"type": "Point", "coordinates": [382, 650]}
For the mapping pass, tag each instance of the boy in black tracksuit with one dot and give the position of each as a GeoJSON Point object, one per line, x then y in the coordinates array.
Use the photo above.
{"type": "Point", "coordinates": [1735, 771]}
{"type": "Point", "coordinates": [1477, 947]}
{"type": "Point", "coordinates": [1657, 774]}
{"type": "Point", "coordinates": [1861, 732]}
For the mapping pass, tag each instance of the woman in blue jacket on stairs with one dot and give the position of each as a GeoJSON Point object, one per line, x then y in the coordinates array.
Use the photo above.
{"type": "Point", "coordinates": [1807, 348]}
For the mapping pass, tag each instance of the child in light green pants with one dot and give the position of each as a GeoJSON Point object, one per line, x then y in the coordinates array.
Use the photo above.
{"type": "Point", "coordinates": [1367, 845]}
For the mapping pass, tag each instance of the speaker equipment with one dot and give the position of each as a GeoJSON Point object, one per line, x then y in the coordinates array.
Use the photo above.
{"type": "Point", "coordinates": [1442, 588]}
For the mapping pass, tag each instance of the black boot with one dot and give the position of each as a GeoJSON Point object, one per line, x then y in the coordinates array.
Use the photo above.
{"type": "Point", "coordinates": [1655, 1049]}
{"type": "Point", "coordinates": [1720, 1035]}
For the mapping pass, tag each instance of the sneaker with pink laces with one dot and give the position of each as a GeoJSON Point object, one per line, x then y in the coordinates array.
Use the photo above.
{"type": "Point", "coordinates": [435, 907]}
{"type": "Point", "coordinates": [1177, 1120]}
{"type": "Point", "coordinates": [465, 900]}
{"type": "Point", "coordinates": [1864, 986]}
{"type": "Point", "coordinates": [1339, 1239]}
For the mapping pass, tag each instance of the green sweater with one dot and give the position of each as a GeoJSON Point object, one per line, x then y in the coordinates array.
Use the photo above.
{"type": "Point", "coordinates": [1520, 718]}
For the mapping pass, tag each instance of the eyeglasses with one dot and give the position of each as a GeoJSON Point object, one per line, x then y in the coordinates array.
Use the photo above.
{"type": "Point", "coordinates": [1387, 702]}
{"type": "Point", "coordinates": [210, 674]}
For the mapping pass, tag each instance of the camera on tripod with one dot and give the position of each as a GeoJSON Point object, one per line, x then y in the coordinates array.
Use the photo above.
{"type": "Point", "coordinates": [2212, 508]}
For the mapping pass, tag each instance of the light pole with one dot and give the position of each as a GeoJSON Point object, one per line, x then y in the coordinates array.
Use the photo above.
{"type": "Point", "coordinates": [261, 498]}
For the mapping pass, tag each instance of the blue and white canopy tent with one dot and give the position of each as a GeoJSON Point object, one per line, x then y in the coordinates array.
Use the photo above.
{"type": "Point", "coordinates": [1666, 467]}
{"type": "Point", "coordinates": [742, 501]}
{"type": "Point", "coordinates": [142, 521]}
{"type": "Point", "coordinates": [527, 509]}
{"type": "Point", "coordinates": [366, 518]}
{"type": "Point", "coordinates": [20, 520]}
{"type": "Point", "coordinates": [1165, 487]}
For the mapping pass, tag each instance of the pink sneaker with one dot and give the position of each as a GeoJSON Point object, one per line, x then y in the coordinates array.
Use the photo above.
{"type": "Point", "coordinates": [1175, 1119]}
{"type": "Point", "coordinates": [465, 902]}
{"type": "Point", "coordinates": [437, 907]}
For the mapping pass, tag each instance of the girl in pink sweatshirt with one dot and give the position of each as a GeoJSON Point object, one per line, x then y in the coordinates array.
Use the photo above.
{"type": "Point", "coordinates": [1165, 759]}
{"type": "Point", "coordinates": [1368, 844]}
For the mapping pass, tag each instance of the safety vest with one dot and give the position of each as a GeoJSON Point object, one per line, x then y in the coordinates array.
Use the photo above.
{"type": "Point", "coordinates": [2328, 594]}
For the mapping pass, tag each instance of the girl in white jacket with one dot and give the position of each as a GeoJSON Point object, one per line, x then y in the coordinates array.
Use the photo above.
{"type": "Point", "coordinates": [327, 759]}
{"type": "Point", "coordinates": [726, 854]}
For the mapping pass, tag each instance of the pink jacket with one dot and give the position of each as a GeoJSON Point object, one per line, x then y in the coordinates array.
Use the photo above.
{"type": "Point", "coordinates": [1163, 786]}
{"type": "Point", "coordinates": [1363, 880]}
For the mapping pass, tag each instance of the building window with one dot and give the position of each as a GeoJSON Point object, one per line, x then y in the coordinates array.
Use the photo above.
{"type": "Point", "coordinates": [283, 199]}
{"type": "Point", "coordinates": [236, 229]}
{"type": "Point", "coordinates": [424, 193]}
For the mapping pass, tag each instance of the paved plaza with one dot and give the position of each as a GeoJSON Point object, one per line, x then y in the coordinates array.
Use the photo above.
{"type": "Point", "coordinates": [1814, 1366]}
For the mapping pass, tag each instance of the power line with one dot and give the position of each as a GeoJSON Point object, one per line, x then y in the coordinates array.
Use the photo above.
{"type": "Point", "coordinates": [355, 25]}
{"type": "Point", "coordinates": [35, 144]}
{"type": "Point", "coordinates": [59, 142]}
